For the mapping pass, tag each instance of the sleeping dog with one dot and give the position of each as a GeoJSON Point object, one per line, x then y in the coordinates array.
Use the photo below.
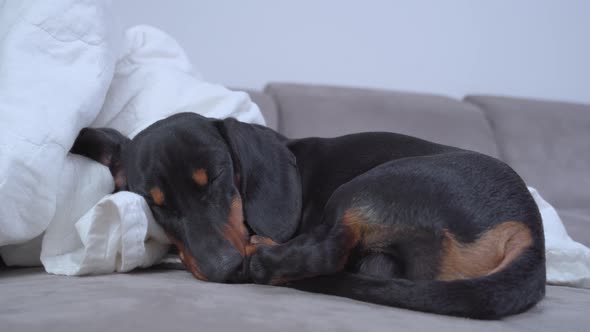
{"type": "Point", "coordinates": [378, 217]}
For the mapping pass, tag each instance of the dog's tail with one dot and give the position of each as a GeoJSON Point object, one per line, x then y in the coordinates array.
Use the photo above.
{"type": "Point", "coordinates": [511, 290]}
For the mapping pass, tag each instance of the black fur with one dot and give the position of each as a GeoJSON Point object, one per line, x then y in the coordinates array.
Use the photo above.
{"type": "Point", "coordinates": [298, 192]}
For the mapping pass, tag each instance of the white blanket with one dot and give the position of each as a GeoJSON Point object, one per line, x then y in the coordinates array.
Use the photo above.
{"type": "Point", "coordinates": [568, 262]}
{"type": "Point", "coordinates": [65, 66]}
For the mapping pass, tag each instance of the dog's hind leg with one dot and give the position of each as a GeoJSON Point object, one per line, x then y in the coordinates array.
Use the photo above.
{"type": "Point", "coordinates": [377, 265]}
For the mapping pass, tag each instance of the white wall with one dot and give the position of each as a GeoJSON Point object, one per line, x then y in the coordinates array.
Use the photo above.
{"type": "Point", "coordinates": [534, 48]}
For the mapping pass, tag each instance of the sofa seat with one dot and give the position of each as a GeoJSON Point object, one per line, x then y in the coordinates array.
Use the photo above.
{"type": "Point", "coordinates": [162, 300]}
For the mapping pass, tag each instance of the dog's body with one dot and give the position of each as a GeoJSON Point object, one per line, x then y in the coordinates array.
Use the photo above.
{"type": "Point", "coordinates": [378, 217]}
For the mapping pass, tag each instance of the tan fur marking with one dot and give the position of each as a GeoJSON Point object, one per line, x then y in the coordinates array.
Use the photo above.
{"type": "Point", "coordinates": [258, 241]}
{"type": "Point", "coordinates": [491, 252]}
{"type": "Point", "coordinates": [262, 240]}
{"type": "Point", "coordinates": [187, 259]}
{"type": "Point", "coordinates": [200, 177]}
{"type": "Point", "coordinates": [120, 179]}
{"type": "Point", "coordinates": [235, 231]}
{"type": "Point", "coordinates": [355, 227]}
{"type": "Point", "coordinates": [250, 249]}
{"type": "Point", "coordinates": [360, 230]}
{"type": "Point", "coordinates": [157, 195]}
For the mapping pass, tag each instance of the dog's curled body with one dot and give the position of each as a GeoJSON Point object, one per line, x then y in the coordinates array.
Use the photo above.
{"type": "Point", "coordinates": [378, 217]}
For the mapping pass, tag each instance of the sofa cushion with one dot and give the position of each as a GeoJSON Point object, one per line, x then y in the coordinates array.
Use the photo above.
{"type": "Point", "coordinates": [548, 143]}
{"type": "Point", "coordinates": [157, 300]}
{"type": "Point", "coordinates": [308, 110]}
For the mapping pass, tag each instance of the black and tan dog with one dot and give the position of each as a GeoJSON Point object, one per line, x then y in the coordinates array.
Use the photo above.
{"type": "Point", "coordinates": [378, 217]}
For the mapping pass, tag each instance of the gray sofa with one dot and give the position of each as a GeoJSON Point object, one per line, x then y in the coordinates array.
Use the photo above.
{"type": "Point", "coordinates": [548, 143]}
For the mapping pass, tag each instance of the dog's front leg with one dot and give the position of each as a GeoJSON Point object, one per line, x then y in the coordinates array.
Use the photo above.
{"type": "Point", "coordinates": [324, 250]}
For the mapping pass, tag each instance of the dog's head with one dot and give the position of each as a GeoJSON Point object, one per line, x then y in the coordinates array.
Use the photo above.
{"type": "Point", "coordinates": [211, 184]}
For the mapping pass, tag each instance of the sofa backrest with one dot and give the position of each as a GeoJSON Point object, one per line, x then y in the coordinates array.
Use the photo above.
{"type": "Point", "coordinates": [547, 143]}
{"type": "Point", "coordinates": [307, 110]}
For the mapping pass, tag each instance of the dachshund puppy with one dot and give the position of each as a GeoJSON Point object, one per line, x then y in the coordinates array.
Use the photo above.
{"type": "Point", "coordinates": [378, 217]}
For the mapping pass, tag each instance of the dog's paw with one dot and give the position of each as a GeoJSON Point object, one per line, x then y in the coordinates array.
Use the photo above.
{"type": "Point", "coordinates": [264, 263]}
{"type": "Point", "coordinates": [259, 267]}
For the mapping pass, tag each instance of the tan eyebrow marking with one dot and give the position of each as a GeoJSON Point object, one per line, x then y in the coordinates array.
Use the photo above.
{"type": "Point", "coordinates": [157, 195]}
{"type": "Point", "coordinates": [200, 176]}
{"type": "Point", "coordinates": [235, 231]}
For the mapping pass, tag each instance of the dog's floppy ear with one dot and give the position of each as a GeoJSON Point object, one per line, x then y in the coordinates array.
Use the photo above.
{"type": "Point", "coordinates": [104, 145]}
{"type": "Point", "coordinates": [268, 178]}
